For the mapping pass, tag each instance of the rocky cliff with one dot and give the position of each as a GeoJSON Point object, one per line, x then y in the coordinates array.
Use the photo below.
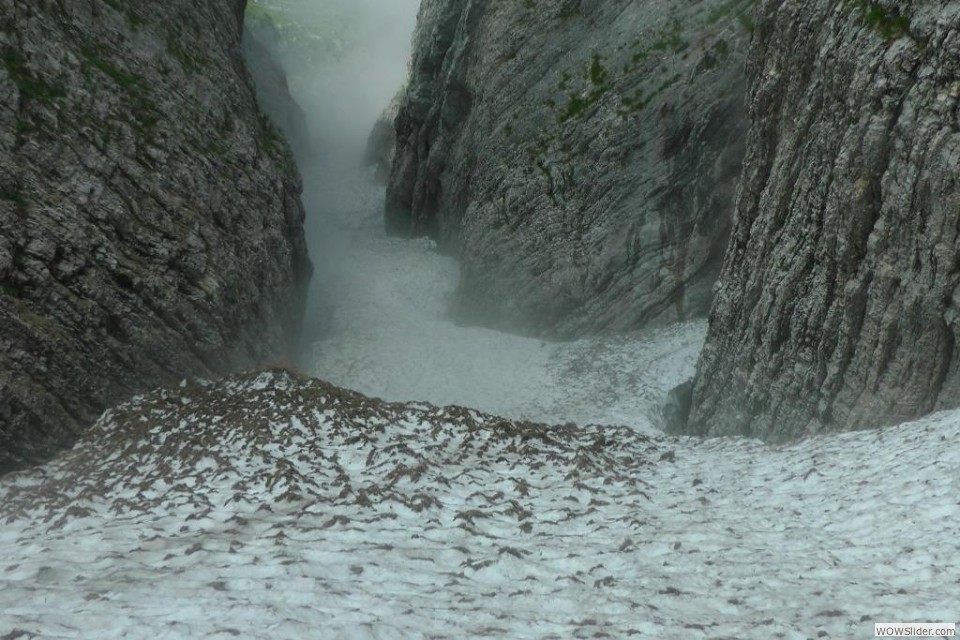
{"type": "Point", "coordinates": [261, 38]}
{"type": "Point", "coordinates": [578, 156]}
{"type": "Point", "coordinates": [150, 225]}
{"type": "Point", "coordinates": [839, 302]}
{"type": "Point", "coordinates": [382, 142]}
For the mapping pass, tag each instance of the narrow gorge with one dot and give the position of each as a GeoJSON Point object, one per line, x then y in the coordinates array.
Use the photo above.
{"type": "Point", "coordinates": [583, 168]}
{"type": "Point", "coordinates": [579, 158]}
{"type": "Point", "coordinates": [479, 318]}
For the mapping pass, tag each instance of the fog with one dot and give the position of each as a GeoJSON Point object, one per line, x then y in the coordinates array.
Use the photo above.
{"type": "Point", "coordinates": [377, 320]}
{"type": "Point", "coordinates": [345, 60]}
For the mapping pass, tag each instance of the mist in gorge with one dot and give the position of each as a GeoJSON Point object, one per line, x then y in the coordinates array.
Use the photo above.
{"type": "Point", "coordinates": [345, 60]}
{"type": "Point", "coordinates": [179, 460]}
{"type": "Point", "coordinates": [378, 316]}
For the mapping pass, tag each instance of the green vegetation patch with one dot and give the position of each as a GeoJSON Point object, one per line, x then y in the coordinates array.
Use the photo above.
{"type": "Point", "coordinates": [126, 9]}
{"type": "Point", "coordinates": [889, 23]}
{"type": "Point", "coordinates": [579, 101]}
{"type": "Point", "coordinates": [28, 83]}
{"type": "Point", "coordinates": [94, 56]}
{"type": "Point", "coordinates": [576, 105]}
{"type": "Point", "coordinates": [16, 197]}
{"type": "Point", "coordinates": [598, 73]}
{"type": "Point", "coordinates": [669, 41]}
{"type": "Point", "coordinates": [137, 90]}
{"type": "Point", "coordinates": [638, 101]}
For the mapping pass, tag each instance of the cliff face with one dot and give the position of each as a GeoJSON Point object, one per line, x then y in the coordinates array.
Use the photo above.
{"type": "Point", "coordinates": [382, 142]}
{"type": "Point", "coordinates": [150, 224]}
{"type": "Point", "coordinates": [839, 301]}
{"type": "Point", "coordinates": [260, 37]}
{"type": "Point", "coordinates": [578, 156]}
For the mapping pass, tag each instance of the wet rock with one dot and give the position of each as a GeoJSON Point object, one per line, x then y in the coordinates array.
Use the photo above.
{"type": "Point", "coordinates": [260, 38]}
{"type": "Point", "coordinates": [382, 143]}
{"type": "Point", "coordinates": [579, 157]}
{"type": "Point", "coordinates": [837, 305]}
{"type": "Point", "coordinates": [676, 408]}
{"type": "Point", "coordinates": [146, 224]}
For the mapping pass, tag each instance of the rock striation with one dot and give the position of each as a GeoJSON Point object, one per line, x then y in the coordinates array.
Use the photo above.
{"type": "Point", "coordinates": [150, 222]}
{"type": "Point", "coordinates": [579, 157]}
{"type": "Point", "coordinates": [839, 302]}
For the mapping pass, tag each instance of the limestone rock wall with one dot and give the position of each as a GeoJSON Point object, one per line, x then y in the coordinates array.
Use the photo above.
{"type": "Point", "coordinates": [150, 222]}
{"type": "Point", "coordinates": [260, 37]}
{"type": "Point", "coordinates": [579, 156]}
{"type": "Point", "coordinates": [837, 307]}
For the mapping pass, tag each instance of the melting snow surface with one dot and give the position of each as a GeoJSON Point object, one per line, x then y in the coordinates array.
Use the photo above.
{"type": "Point", "coordinates": [388, 334]}
{"type": "Point", "coordinates": [280, 508]}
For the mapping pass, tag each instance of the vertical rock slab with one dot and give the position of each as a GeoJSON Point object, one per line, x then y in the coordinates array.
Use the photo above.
{"type": "Point", "coordinates": [150, 222]}
{"type": "Point", "coordinates": [382, 142]}
{"type": "Point", "coordinates": [579, 157]}
{"type": "Point", "coordinates": [837, 307]}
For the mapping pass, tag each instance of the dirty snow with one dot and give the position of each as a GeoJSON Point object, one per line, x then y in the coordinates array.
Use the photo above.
{"type": "Point", "coordinates": [271, 507]}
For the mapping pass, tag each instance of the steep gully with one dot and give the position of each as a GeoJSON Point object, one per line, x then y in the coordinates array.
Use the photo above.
{"type": "Point", "coordinates": [808, 331]}
{"type": "Point", "coordinates": [378, 319]}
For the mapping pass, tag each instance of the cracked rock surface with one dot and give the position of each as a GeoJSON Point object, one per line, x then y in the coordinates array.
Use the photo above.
{"type": "Point", "coordinates": [579, 158]}
{"type": "Point", "coordinates": [837, 307]}
{"type": "Point", "coordinates": [150, 222]}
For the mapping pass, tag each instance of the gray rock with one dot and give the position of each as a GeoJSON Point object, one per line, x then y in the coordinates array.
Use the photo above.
{"type": "Point", "coordinates": [382, 143]}
{"type": "Point", "coordinates": [579, 157]}
{"type": "Point", "coordinates": [837, 307]}
{"type": "Point", "coordinates": [260, 37]}
{"type": "Point", "coordinates": [150, 225]}
{"type": "Point", "coordinates": [676, 408]}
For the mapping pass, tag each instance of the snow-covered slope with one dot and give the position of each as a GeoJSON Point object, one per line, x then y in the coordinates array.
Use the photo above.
{"type": "Point", "coordinates": [265, 506]}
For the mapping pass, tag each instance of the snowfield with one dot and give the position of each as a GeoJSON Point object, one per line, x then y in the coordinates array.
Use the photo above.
{"type": "Point", "coordinates": [268, 506]}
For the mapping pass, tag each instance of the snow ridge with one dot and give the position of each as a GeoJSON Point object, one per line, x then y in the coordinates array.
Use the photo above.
{"type": "Point", "coordinates": [268, 506]}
